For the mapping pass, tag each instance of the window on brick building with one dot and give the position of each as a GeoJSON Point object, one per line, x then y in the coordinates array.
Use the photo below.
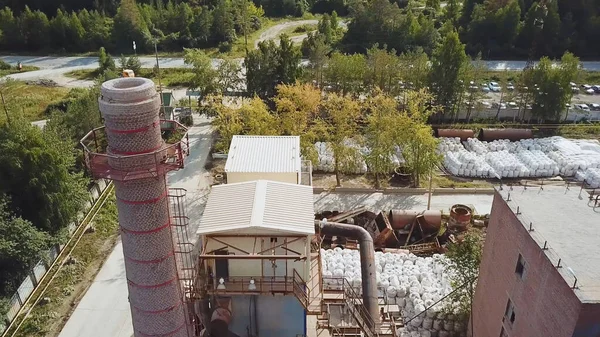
{"type": "Point", "coordinates": [520, 269]}
{"type": "Point", "coordinates": [509, 314]}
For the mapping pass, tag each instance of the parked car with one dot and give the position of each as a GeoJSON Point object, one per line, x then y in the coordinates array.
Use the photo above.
{"type": "Point", "coordinates": [486, 104]}
{"type": "Point", "coordinates": [590, 91]}
{"type": "Point", "coordinates": [513, 105]}
{"type": "Point", "coordinates": [485, 89]}
{"type": "Point", "coordinates": [573, 84]}
{"type": "Point", "coordinates": [494, 87]}
{"type": "Point", "coordinates": [586, 86]}
{"type": "Point", "coordinates": [510, 86]}
{"type": "Point", "coordinates": [583, 107]}
{"type": "Point", "coordinates": [595, 106]}
{"type": "Point", "coordinates": [574, 89]}
{"type": "Point", "coordinates": [596, 89]}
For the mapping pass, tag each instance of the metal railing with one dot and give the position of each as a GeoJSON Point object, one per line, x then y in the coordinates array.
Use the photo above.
{"type": "Point", "coordinates": [137, 166]}
{"type": "Point", "coordinates": [299, 287]}
{"type": "Point", "coordinates": [262, 284]}
{"type": "Point", "coordinates": [359, 311]}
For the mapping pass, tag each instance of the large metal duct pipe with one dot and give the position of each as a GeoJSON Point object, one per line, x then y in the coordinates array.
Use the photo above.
{"type": "Point", "coordinates": [130, 107]}
{"type": "Point", "coordinates": [367, 260]}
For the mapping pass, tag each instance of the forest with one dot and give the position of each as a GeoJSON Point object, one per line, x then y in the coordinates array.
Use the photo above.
{"type": "Point", "coordinates": [507, 29]}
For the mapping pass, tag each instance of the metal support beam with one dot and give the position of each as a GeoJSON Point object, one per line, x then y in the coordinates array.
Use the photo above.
{"type": "Point", "coordinates": [254, 257]}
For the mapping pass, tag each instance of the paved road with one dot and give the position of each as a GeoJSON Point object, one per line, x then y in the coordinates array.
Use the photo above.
{"type": "Point", "coordinates": [326, 201]}
{"type": "Point", "coordinates": [104, 310]}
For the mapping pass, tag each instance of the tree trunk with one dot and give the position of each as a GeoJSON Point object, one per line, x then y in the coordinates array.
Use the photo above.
{"type": "Point", "coordinates": [337, 174]}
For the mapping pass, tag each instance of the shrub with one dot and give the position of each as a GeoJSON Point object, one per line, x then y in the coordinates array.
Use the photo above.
{"type": "Point", "coordinates": [225, 47]}
{"type": "Point", "coordinates": [4, 65]}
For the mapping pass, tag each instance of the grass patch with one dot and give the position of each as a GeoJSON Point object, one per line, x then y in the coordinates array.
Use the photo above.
{"type": "Point", "coordinates": [4, 72]}
{"type": "Point", "coordinates": [73, 279]}
{"type": "Point", "coordinates": [589, 131]}
{"type": "Point", "coordinates": [442, 181]}
{"type": "Point", "coordinates": [169, 77]}
{"type": "Point", "coordinates": [29, 101]}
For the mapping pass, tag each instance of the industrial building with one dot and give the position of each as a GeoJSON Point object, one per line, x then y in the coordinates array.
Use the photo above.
{"type": "Point", "coordinates": [540, 272]}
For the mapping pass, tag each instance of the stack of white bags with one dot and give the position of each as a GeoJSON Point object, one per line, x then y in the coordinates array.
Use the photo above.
{"type": "Point", "coordinates": [539, 157]}
{"type": "Point", "coordinates": [466, 164]}
{"type": "Point", "coordinates": [537, 164]}
{"type": "Point", "coordinates": [326, 160]}
{"type": "Point", "coordinates": [449, 145]}
{"type": "Point", "coordinates": [413, 283]}
{"type": "Point", "coordinates": [506, 164]}
{"type": "Point", "coordinates": [591, 177]}
{"type": "Point", "coordinates": [476, 146]}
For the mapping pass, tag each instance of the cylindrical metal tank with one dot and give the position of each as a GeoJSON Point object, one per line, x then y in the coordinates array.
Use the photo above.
{"type": "Point", "coordinates": [399, 219]}
{"type": "Point", "coordinates": [130, 108]}
{"type": "Point", "coordinates": [460, 217]}
{"type": "Point", "coordinates": [513, 135]}
{"type": "Point", "coordinates": [463, 134]}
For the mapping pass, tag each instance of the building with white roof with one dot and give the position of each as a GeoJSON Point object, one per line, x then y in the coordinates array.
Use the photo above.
{"type": "Point", "coordinates": [275, 158]}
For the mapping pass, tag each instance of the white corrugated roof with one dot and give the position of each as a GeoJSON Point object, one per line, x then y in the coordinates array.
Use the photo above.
{"type": "Point", "coordinates": [261, 206]}
{"type": "Point", "coordinates": [264, 154]}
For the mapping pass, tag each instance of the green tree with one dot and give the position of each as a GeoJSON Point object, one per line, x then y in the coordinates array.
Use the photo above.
{"type": "Point", "coordinates": [223, 21]}
{"type": "Point", "coordinates": [81, 116]}
{"type": "Point", "coordinates": [345, 73]}
{"type": "Point", "coordinates": [475, 75]}
{"type": "Point", "coordinates": [433, 4]}
{"type": "Point", "coordinates": [105, 61]}
{"type": "Point", "coordinates": [463, 263]}
{"type": "Point", "coordinates": [270, 65]}
{"type": "Point", "coordinates": [553, 86]}
{"type": "Point", "coordinates": [415, 137]}
{"type": "Point", "coordinates": [229, 73]}
{"type": "Point", "coordinates": [340, 116]}
{"type": "Point", "coordinates": [261, 69]}
{"type": "Point", "coordinates": [381, 112]}
{"type": "Point", "coordinates": [37, 176]}
{"type": "Point", "coordinates": [243, 18]}
{"type": "Point", "coordinates": [415, 69]}
{"type": "Point", "coordinates": [35, 28]}
{"type": "Point", "coordinates": [129, 26]}
{"type": "Point", "coordinates": [315, 48]}
{"type": "Point", "coordinates": [447, 65]}
{"type": "Point", "coordinates": [383, 70]}
{"type": "Point", "coordinates": [205, 77]}
{"type": "Point", "coordinates": [21, 245]}
{"type": "Point", "coordinates": [452, 12]}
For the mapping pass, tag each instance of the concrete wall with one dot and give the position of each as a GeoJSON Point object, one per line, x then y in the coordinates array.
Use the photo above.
{"type": "Point", "coordinates": [240, 177]}
{"type": "Point", "coordinates": [544, 303]}
{"type": "Point", "coordinates": [259, 267]}
{"type": "Point", "coordinates": [277, 316]}
{"type": "Point", "coordinates": [574, 115]}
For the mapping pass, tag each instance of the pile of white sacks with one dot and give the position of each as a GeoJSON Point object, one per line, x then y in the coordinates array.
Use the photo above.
{"type": "Point", "coordinates": [539, 157]}
{"type": "Point", "coordinates": [413, 283]}
{"type": "Point", "coordinates": [591, 176]}
{"type": "Point", "coordinates": [467, 164]}
{"type": "Point", "coordinates": [326, 160]}
{"type": "Point", "coordinates": [449, 145]}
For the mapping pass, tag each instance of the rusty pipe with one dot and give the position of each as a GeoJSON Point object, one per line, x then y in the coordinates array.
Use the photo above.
{"type": "Point", "coordinates": [367, 260]}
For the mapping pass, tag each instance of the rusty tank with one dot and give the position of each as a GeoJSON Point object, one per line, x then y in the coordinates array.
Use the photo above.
{"type": "Point", "coordinates": [401, 219]}
{"type": "Point", "coordinates": [460, 217]}
{"type": "Point", "coordinates": [463, 134]}
{"type": "Point", "coordinates": [513, 135]}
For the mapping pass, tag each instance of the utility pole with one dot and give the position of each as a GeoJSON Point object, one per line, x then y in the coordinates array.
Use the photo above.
{"type": "Point", "coordinates": [162, 104]}
{"type": "Point", "coordinates": [429, 193]}
{"type": "Point", "coordinates": [5, 109]}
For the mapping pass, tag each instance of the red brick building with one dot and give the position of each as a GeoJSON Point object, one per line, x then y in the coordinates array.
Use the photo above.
{"type": "Point", "coordinates": [540, 272]}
